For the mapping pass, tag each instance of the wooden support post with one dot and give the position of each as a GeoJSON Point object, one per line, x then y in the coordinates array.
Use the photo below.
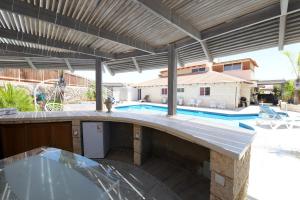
{"type": "Point", "coordinates": [172, 79]}
{"type": "Point", "coordinates": [99, 104]}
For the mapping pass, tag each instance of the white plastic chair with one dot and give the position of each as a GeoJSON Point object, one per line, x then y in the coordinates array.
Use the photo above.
{"type": "Point", "coordinates": [180, 101]}
{"type": "Point", "coordinates": [198, 102]}
{"type": "Point", "coordinates": [221, 105]}
{"type": "Point", "coordinates": [164, 100]}
{"type": "Point", "coordinates": [192, 102]}
{"type": "Point", "coordinates": [212, 104]}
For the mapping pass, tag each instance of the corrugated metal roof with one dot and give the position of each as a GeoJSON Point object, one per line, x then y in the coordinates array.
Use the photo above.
{"type": "Point", "coordinates": [207, 13]}
{"type": "Point", "coordinates": [47, 63]}
{"type": "Point", "coordinates": [118, 27]}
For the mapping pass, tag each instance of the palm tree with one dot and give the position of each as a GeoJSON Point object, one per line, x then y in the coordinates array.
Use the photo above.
{"type": "Point", "coordinates": [295, 62]}
{"type": "Point", "coordinates": [12, 97]}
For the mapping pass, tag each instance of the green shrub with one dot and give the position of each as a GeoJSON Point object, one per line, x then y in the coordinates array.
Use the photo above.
{"type": "Point", "coordinates": [91, 93]}
{"type": "Point", "coordinates": [288, 90]}
{"type": "Point", "coordinates": [13, 97]}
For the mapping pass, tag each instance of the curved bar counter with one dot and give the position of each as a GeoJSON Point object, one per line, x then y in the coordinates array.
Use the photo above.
{"type": "Point", "coordinates": [228, 148]}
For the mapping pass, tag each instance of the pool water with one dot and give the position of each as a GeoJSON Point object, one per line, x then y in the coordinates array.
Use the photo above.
{"type": "Point", "coordinates": [235, 120]}
{"type": "Point", "coordinates": [144, 108]}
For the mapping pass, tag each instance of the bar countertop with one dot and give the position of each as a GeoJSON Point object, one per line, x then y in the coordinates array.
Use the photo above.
{"type": "Point", "coordinates": [229, 141]}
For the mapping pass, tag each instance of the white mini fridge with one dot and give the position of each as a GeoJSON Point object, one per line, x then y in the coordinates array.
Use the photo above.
{"type": "Point", "coordinates": [95, 137]}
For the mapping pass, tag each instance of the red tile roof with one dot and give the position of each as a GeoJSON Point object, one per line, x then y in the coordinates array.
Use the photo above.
{"type": "Point", "coordinates": [209, 77]}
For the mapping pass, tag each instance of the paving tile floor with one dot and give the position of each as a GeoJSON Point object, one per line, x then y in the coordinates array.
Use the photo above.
{"type": "Point", "coordinates": [155, 179]}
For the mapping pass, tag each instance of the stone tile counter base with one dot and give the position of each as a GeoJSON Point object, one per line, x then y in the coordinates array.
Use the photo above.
{"type": "Point", "coordinates": [229, 177]}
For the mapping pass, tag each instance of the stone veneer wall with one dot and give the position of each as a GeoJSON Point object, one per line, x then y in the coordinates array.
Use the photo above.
{"type": "Point", "coordinates": [76, 134]}
{"type": "Point", "coordinates": [121, 135]}
{"type": "Point", "coordinates": [151, 142]}
{"type": "Point", "coordinates": [229, 177]}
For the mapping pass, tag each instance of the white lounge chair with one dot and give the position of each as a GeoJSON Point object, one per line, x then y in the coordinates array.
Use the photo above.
{"type": "Point", "coordinates": [273, 119]}
{"type": "Point", "coordinates": [295, 122]}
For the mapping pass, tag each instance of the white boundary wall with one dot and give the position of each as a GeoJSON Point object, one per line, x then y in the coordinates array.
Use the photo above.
{"type": "Point", "coordinates": [228, 93]}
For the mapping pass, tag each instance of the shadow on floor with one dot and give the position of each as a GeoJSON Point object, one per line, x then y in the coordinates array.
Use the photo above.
{"type": "Point", "coordinates": [155, 179]}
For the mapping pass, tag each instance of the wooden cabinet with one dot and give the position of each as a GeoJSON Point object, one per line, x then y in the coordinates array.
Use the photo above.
{"type": "Point", "coordinates": [17, 138]}
{"type": "Point", "coordinates": [12, 140]}
{"type": "Point", "coordinates": [38, 135]}
{"type": "Point", "coordinates": [61, 136]}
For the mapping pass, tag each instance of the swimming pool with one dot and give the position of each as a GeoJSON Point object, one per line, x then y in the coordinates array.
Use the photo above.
{"type": "Point", "coordinates": [236, 120]}
{"type": "Point", "coordinates": [196, 113]}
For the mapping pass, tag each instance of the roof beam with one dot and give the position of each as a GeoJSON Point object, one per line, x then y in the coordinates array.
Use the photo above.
{"type": "Point", "coordinates": [179, 61]}
{"type": "Point", "coordinates": [12, 50]}
{"type": "Point", "coordinates": [178, 44]}
{"type": "Point", "coordinates": [282, 23]}
{"type": "Point", "coordinates": [26, 9]}
{"type": "Point", "coordinates": [108, 69]}
{"type": "Point", "coordinates": [15, 35]}
{"type": "Point", "coordinates": [68, 64]}
{"type": "Point", "coordinates": [251, 19]}
{"type": "Point", "coordinates": [166, 14]}
{"type": "Point", "coordinates": [30, 63]}
{"type": "Point", "coordinates": [136, 65]}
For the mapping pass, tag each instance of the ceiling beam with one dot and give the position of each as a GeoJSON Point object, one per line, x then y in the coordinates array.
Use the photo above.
{"type": "Point", "coordinates": [15, 35]}
{"type": "Point", "coordinates": [26, 9]}
{"type": "Point", "coordinates": [136, 65]}
{"type": "Point", "coordinates": [251, 19]}
{"type": "Point", "coordinates": [180, 63]}
{"type": "Point", "coordinates": [68, 64]}
{"type": "Point", "coordinates": [242, 22]}
{"type": "Point", "coordinates": [282, 23]}
{"type": "Point", "coordinates": [178, 44]}
{"type": "Point", "coordinates": [13, 50]}
{"type": "Point", "coordinates": [30, 63]}
{"type": "Point", "coordinates": [107, 69]}
{"type": "Point", "coordinates": [166, 14]}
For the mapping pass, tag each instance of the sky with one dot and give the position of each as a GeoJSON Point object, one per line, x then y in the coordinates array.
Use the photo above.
{"type": "Point", "coordinates": [272, 65]}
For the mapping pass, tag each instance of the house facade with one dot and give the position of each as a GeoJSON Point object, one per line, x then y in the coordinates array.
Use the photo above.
{"type": "Point", "coordinates": [242, 68]}
{"type": "Point", "coordinates": [218, 85]}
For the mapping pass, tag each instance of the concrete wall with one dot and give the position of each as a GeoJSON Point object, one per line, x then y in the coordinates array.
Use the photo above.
{"type": "Point", "coordinates": [246, 92]}
{"type": "Point", "coordinates": [125, 93]}
{"type": "Point", "coordinates": [290, 107]}
{"type": "Point", "coordinates": [229, 93]}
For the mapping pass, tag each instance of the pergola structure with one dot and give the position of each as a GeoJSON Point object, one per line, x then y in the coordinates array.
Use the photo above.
{"type": "Point", "coordinates": [139, 35]}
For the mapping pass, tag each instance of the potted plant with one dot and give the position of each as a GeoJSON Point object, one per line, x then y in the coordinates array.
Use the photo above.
{"type": "Point", "coordinates": [108, 103]}
{"type": "Point", "coordinates": [296, 66]}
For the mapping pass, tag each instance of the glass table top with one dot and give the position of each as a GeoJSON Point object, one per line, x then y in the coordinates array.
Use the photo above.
{"type": "Point", "coordinates": [50, 173]}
